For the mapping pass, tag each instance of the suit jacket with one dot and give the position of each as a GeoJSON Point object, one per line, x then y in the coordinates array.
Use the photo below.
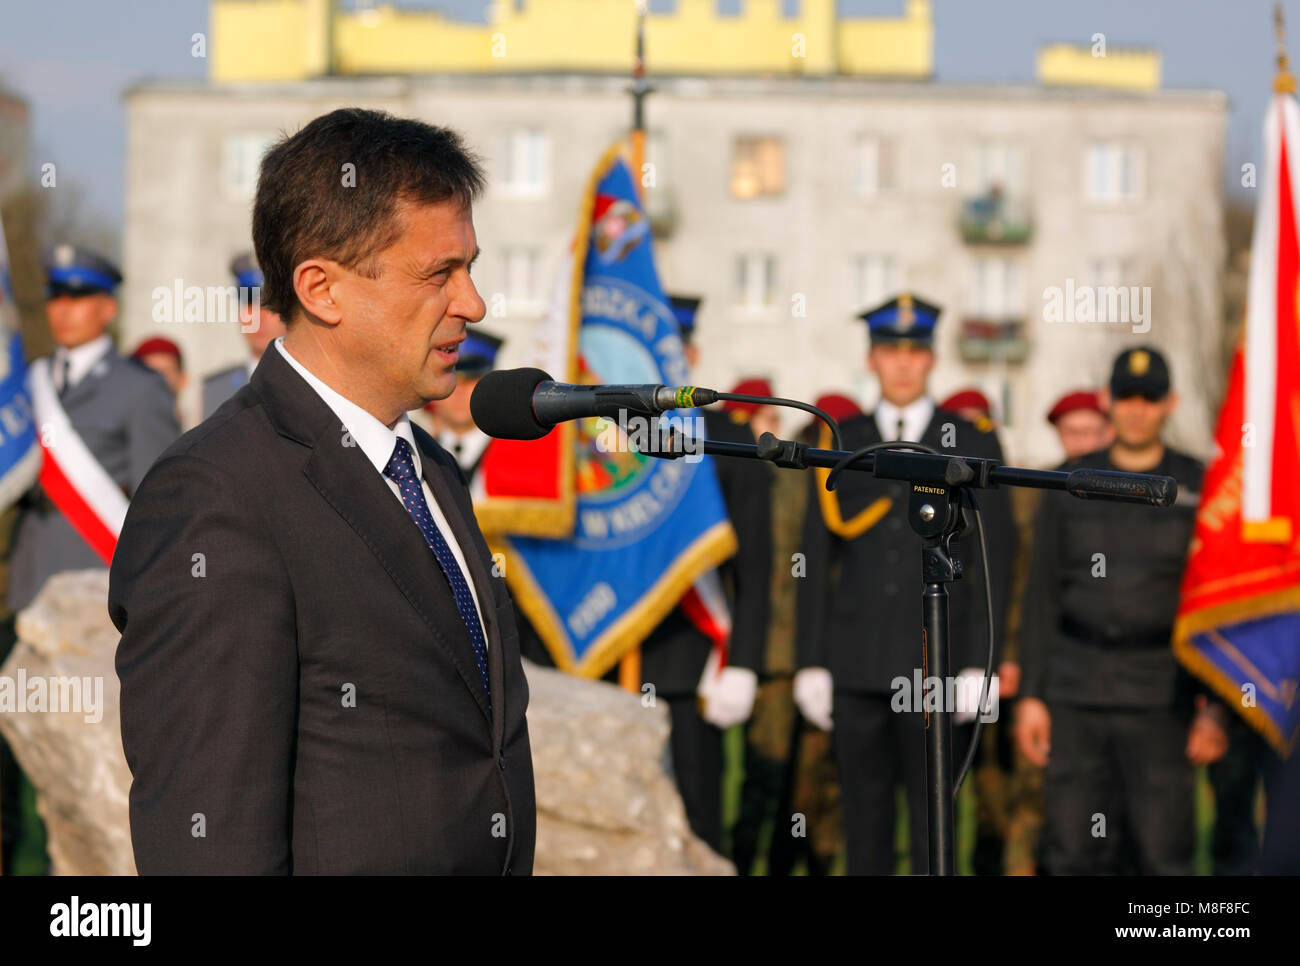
{"type": "Point", "coordinates": [293, 665]}
{"type": "Point", "coordinates": [674, 655]}
{"type": "Point", "coordinates": [220, 386]}
{"type": "Point", "coordinates": [860, 601]}
{"type": "Point", "coordinates": [126, 415]}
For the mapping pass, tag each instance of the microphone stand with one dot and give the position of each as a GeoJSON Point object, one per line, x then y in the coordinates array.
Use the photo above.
{"type": "Point", "coordinates": [940, 496]}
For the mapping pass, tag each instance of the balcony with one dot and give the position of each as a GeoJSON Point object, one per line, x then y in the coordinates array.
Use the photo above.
{"type": "Point", "coordinates": [984, 339]}
{"type": "Point", "coordinates": [994, 218]}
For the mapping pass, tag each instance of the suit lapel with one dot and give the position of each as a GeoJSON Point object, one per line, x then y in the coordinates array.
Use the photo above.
{"type": "Point", "coordinates": [348, 482]}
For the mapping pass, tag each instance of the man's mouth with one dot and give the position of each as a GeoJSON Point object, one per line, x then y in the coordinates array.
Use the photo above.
{"type": "Point", "coordinates": [449, 350]}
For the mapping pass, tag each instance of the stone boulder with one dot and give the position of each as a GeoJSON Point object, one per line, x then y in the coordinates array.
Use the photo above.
{"type": "Point", "coordinates": [605, 804]}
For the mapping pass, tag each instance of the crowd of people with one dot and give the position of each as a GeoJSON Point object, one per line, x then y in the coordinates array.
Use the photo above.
{"type": "Point", "coordinates": [1090, 765]}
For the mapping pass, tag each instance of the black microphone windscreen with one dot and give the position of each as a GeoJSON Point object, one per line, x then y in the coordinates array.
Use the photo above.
{"type": "Point", "coordinates": [502, 404]}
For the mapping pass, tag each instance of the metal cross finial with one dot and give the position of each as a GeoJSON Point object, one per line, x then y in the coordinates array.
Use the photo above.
{"type": "Point", "coordinates": [1284, 82]}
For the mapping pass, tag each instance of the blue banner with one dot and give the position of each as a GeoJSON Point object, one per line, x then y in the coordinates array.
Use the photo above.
{"type": "Point", "coordinates": [644, 528]}
{"type": "Point", "coordinates": [20, 454]}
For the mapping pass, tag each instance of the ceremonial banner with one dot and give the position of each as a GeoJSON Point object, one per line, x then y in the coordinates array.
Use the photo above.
{"type": "Point", "coordinates": [1238, 625]}
{"type": "Point", "coordinates": [20, 454]}
{"type": "Point", "coordinates": [599, 540]}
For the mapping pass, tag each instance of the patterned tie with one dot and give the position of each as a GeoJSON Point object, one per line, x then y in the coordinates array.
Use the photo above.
{"type": "Point", "coordinates": [401, 470]}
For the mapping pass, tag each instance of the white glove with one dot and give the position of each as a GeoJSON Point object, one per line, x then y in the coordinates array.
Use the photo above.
{"type": "Point", "coordinates": [729, 698]}
{"type": "Point", "coordinates": [969, 682]}
{"type": "Point", "coordinates": [812, 693]}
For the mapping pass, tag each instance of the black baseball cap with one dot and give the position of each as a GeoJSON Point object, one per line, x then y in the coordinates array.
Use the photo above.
{"type": "Point", "coordinates": [1140, 372]}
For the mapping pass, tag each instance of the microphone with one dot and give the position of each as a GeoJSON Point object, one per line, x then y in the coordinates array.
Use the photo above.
{"type": "Point", "coordinates": [526, 403]}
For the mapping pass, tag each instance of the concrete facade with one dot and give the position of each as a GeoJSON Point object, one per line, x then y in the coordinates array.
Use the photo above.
{"type": "Point", "coordinates": [827, 242]}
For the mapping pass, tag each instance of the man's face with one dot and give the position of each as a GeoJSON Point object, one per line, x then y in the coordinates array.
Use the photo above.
{"type": "Point", "coordinates": [1083, 431]}
{"type": "Point", "coordinates": [402, 330]}
{"type": "Point", "coordinates": [166, 364]}
{"type": "Point", "coordinates": [1138, 421]}
{"type": "Point", "coordinates": [76, 320]}
{"type": "Point", "coordinates": [766, 419]}
{"type": "Point", "coordinates": [902, 369]}
{"type": "Point", "coordinates": [260, 327]}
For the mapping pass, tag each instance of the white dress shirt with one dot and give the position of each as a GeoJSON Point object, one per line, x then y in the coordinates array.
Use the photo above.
{"type": "Point", "coordinates": [466, 447]}
{"type": "Point", "coordinates": [915, 415]}
{"type": "Point", "coordinates": [377, 442]}
{"type": "Point", "coordinates": [81, 359]}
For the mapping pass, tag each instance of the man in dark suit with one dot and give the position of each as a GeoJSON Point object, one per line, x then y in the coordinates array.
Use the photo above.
{"type": "Point", "coordinates": [860, 601]}
{"type": "Point", "coordinates": [319, 674]}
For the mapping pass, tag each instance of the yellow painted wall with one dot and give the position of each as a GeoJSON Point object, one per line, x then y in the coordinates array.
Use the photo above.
{"type": "Point", "coordinates": [266, 40]}
{"type": "Point", "coordinates": [1066, 65]}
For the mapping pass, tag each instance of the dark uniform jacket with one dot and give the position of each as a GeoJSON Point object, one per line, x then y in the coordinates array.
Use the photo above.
{"type": "Point", "coordinates": [1102, 594]}
{"type": "Point", "coordinates": [315, 578]}
{"type": "Point", "coordinates": [220, 386]}
{"type": "Point", "coordinates": [674, 655]}
{"type": "Point", "coordinates": [865, 625]}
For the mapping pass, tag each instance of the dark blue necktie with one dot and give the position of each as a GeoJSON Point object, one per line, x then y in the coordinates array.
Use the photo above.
{"type": "Point", "coordinates": [401, 470]}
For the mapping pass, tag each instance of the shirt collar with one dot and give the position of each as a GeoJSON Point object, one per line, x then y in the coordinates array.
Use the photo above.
{"type": "Point", "coordinates": [375, 439]}
{"type": "Point", "coordinates": [82, 358]}
{"type": "Point", "coordinates": [472, 444]}
{"type": "Point", "coordinates": [916, 417]}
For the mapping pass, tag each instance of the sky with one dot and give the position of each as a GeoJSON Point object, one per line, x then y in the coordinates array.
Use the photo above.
{"type": "Point", "coordinates": [73, 59]}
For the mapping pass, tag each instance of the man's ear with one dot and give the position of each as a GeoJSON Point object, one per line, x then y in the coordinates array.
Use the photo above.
{"type": "Point", "coordinates": [1103, 397]}
{"type": "Point", "coordinates": [107, 309]}
{"type": "Point", "coordinates": [871, 361]}
{"type": "Point", "coordinates": [313, 283]}
{"type": "Point", "coordinates": [1171, 403]}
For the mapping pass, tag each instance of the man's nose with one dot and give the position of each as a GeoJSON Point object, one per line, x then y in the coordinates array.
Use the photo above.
{"type": "Point", "coordinates": [472, 306]}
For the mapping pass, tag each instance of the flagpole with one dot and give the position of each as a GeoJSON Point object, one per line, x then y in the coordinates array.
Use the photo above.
{"type": "Point", "coordinates": [1284, 82]}
{"type": "Point", "coordinates": [640, 88]}
{"type": "Point", "coordinates": [629, 666]}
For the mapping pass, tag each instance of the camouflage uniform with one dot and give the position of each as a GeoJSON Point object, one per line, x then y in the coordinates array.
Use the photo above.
{"type": "Point", "coordinates": [789, 770]}
{"type": "Point", "coordinates": [1009, 789]}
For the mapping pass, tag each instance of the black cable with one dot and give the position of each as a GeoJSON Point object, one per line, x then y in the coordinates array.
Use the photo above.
{"type": "Point", "coordinates": [988, 666]}
{"type": "Point", "coordinates": [789, 403]}
{"type": "Point", "coordinates": [833, 477]}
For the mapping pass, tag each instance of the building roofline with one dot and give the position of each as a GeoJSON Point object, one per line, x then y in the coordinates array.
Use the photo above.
{"type": "Point", "coordinates": [682, 85]}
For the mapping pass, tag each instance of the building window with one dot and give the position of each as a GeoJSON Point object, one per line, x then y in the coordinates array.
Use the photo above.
{"type": "Point", "coordinates": [873, 165]}
{"type": "Point", "coordinates": [241, 156]}
{"type": "Point", "coordinates": [875, 278]}
{"type": "Point", "coordinates": [1114, 171]}
{"type": "Point", "coordinates": [757, 167]}
{"type": "Point", "coordinates": [998, 290]}
{"type": "Point", "coordinates": [755, 280]}
{"type": "Point", "coordinates": [522, 280]}
{"type": "Point", "coordinates": [526, 163]}
{"type": "Point", "coordinates": [1109, 271]}
{"type": "Point", "coordinates": [999, 168]}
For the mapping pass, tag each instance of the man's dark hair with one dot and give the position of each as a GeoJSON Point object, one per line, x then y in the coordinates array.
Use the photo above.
{"type": "Point", "coordinates": [311, 205]}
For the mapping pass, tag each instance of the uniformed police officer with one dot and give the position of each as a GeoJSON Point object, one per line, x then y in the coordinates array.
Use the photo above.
{"type": "Point", "coordinates": [260, 327]}
{"type": "Point", "coordinates": [859, 632]}
{"type": "Point", "coordinates": [1104, 706]}
{"type": "Point", "coordinates": [450, 420]}
{"type": "Point", "coordinates": [122, 411]}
